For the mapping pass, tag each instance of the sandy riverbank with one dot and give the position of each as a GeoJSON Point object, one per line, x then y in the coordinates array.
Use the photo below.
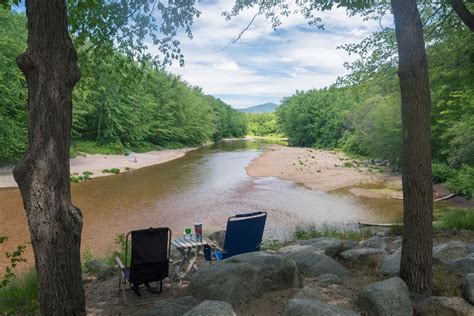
{"type": "Point", "coordinates": [324, 171]}
{"type": "Point", "coordinates": [98, 162]}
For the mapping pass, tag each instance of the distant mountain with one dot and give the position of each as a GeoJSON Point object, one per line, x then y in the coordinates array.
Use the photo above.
{"type": "Point", "coordinates": [261, 108]}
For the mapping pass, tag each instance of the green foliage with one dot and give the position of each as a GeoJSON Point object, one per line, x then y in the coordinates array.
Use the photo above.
{"type": "Point", "coordinates": [315, 118]}
{"type": "Point", "coordinates": [119, 105]}
{"type": "Point", "coordinates": [441, 172]}
{"type": "Point", "coordinates": [311, 231]}
{"type": "Point", "coordinates": [13, 258]}
{"type": "Point", "coordinates": [263, 124]}
{"type": "Point", "coordinates": [21, 295]}
{"type": "Point", "coordinates": [458, 219]}
{"type": "Point", "coordinates": [462, 181]}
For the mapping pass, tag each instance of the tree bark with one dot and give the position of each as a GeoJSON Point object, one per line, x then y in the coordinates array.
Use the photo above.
{"type": "Point", "coordinates": [416, 261]}
{"type": "Point", "coordinates": [464, 14]}
{"type": "Point", "coordinates": [50, 68]}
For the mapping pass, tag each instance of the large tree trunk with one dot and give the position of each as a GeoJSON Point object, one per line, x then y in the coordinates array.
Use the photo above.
{"type": "Point", "coordinates": [50, 68]}
{"type": "Point", "coordinates": [416, 262]}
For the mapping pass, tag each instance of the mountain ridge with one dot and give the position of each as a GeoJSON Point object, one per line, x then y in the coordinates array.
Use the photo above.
{"type": "Point", "coordinates": [261, 108]}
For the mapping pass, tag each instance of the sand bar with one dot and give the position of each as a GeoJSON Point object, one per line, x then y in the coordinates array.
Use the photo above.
{"type": "Point", "coordinates": [98, 162]}
{"type": "Point", "coordinates": [321, 170]}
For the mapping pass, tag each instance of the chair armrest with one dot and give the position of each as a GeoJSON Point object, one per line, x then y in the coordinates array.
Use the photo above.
{"type": "Point", "coordinates": [213, 245]}
{"type": "Point", "coordinates": [119, 263]}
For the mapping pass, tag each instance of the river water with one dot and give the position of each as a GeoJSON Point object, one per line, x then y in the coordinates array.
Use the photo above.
{"type": "Point", "coordinates": [207, 185]}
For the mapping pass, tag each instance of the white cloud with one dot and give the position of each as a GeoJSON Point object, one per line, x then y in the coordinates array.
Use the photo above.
{"type": "Point", "coordinates": [266, 65]}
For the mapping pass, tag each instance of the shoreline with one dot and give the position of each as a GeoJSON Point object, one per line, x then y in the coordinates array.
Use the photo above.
{"type": "Point", "coordinates": [95, 163]}
{"type": "Point", "coordinates": [325, 171]}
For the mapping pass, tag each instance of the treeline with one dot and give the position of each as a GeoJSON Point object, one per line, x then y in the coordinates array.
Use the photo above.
{"type": "Point", "coordinates": [363, 117]}
{"type": "Point", "coordinates": [263, 124]}
{"type": "Point", "coordinates": [118, 104]}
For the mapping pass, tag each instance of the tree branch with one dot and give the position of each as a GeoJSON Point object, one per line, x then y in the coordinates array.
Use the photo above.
{"type": "Point", "coordinates": [464, 14]}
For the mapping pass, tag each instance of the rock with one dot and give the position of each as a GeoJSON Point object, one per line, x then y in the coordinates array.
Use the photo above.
{"type": "Point", "coordinates": [389, 297]}
{"type": "Point", "coordinates": [330, 245]}
{"type": "Point", "coordinates": [310, 307]}
{"type": "Point", "coordinates": [365, 256]}
{"type": "Point", "coordinates": [375, 242]}
{"type": "Point", "coordinates": [244, 277]}
{"type": "Point", "coordinates": [449, 251]}
{"type": "Point", "coordinates": [106, 273]}
{"type": "Point", "coordinates": [349, 244]}
{"type": "Point", "coordinates": [462, 266]}
{"type": "Point", "coordinates": [468, 287]}
{"type": "Point", "coordinates": [391, 264]}
{"type": "Point", "coordinates": [295, 248]}
{"type": "Point", "coordinates": [173, 307]}
{"type": "Point", "coordinates": [218, 237]}
{"type": "Point", "coordinates": [327, 279]}
{"type": "Point", "coordinates": [212, 308]}
{"type": "Point", "coordinates": [470, 246]}
{"type": "Point", "coordinates": [312, 262]}
{"type": "Point", "coordinates": [442, 306]}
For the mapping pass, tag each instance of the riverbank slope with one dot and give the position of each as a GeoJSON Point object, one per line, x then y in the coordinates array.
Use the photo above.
{"type": "Point", "coordinates": [98, 162]}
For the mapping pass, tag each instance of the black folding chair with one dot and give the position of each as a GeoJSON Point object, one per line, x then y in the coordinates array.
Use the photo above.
{"type": "Point", "coordinates": [149, 261]}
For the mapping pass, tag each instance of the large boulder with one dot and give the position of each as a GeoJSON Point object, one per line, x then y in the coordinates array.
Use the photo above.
{"type": "Point", "coordinates": [391, 264]}
{"type": "Point", "coordinates": [328, 279]}
{"type": "Point", "coordinates": [330, 245]}
{"type": "Point", "coordinates": [312, 262]}
{"type": "Point", "coordinates": [451, 250]}
{"type": "Point", "coordinates": [244, 277]}
{"type": "Point", "coordinates": [468, 287]}
{"type": "Point", "coordinates": [311, 307]}
{"type": "Point", "coordinates": [365, 256]}
{"type": "Point", "coordinates": [376, 242]}
{"type": "Point", "coordinates": [444, 306]}
{"type": "Point", "coordinates": [211, 308]}
{"type": "Point", "coordinates": [388, 297]}
{"type": "Point", "coordinates": [173, 307]}
{"type": "Point", "coordinates": [462, 266]}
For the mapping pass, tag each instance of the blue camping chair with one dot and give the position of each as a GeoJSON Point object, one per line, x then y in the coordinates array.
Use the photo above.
{"type": "Point", "coordinates": [243, 234]}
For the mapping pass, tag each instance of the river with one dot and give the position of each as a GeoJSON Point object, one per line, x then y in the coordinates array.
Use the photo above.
{"type": "Point", "coordinates": [207, 185]}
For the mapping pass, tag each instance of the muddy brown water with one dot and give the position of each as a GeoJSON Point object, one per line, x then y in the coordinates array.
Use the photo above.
{"type": "Point", "coordinates": [207, 185]}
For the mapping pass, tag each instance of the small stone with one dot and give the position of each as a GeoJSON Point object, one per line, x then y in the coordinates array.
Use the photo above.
{"type": "Point", "coordinates": [327, 279]}
{"type": "Point", "coordinates": [366, 256]}
{"type": "Point", "coordinates": [391, 264]}
{"type": "Point", "coordinates": [375, 242]}
{"type": "Point", "coordinates": [330, 245]}
{"type": "Point", "coordinates": [218, 237]}
{"type": "Point", "coordinates": [437, 305]}
{"type": "Point", "coordinates": [468, 287]}
{"type": "Point", "coordinates": [173, 307]}
{"type": "Point", "coordinates": [449, 251]}
{"type": "Point", "coordinates": [462, 266]}
{"type": "Point", "coordinates": [211, 308]}
{"type": "Point", "coordinates": [311, 307]}
{"type": "Point", "coordinates": [389, 297]}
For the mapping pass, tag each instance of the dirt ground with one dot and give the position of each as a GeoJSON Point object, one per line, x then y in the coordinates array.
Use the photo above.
{"type": "Point", "coordinates": [104, 298]}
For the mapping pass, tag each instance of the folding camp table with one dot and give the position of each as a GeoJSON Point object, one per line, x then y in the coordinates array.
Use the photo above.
{"type": "Point", "coordinates": [185, 247]}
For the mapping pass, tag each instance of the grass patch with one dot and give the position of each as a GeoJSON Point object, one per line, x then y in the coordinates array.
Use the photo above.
{"type": "Point", "coordinates": [80, 147]}
{"type": "Point", "coordinates": [113, 170]}
{"type": "Point", "coordinates": [311, 231]}
{"type": "Point", "coordinates": [272, 244]}
{"type": "Point", "coordinates": [457, 219]}
{"type": "Point", "coordinates": [21, 295]}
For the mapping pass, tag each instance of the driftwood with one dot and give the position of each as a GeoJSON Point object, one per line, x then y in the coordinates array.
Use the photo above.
{"type": "Point", "coordinates": [447, 197]}
{"type": "Point", "coordinates": [381, 225]}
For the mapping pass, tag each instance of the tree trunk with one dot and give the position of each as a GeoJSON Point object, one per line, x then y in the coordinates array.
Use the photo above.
{"type": "Point", "coordinates": [416, 261]}
{"type": "Point", "coordinates": [464, 14]}
{"type": "Point", "coordinates": [50, 68]}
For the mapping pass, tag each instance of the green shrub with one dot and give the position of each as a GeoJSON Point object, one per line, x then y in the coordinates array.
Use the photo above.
{"type": "Point", "coordinates": [20, 296]}
{"type": "Point", "coordinates": [441, 172]}
{"type": "Point", "coordinates": [115, 170]}
{"type": "Point", "coordinates": [463, 181]}
{"type": "Point", "coordinates": [458, 219]}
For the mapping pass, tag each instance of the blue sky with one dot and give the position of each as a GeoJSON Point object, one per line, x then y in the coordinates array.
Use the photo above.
{"type": "Point", "coordinates": [265, 66]}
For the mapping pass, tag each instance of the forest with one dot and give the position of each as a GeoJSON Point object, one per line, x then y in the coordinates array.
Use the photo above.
{"type": "Point", "coordinates": [110, 113]}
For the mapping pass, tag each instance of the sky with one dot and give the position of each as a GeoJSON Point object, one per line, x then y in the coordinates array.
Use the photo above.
{"type": "Point", "coordinates": [265, 65]}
